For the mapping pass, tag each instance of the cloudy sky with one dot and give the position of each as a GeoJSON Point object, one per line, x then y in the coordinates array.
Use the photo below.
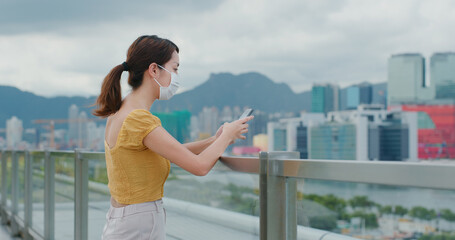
{"type": "Point", "coordinates": [53, 47]}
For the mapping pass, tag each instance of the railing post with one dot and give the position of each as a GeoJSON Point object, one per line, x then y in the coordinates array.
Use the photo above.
{"type": "Point", "coordinates": [14, 193]}
{"type": "Point", "coordinates": [4, 188]}
{"type": "Point", "coordinates": [291, 207]}
{"type": "Point", "coordinates": [263, 163]}
{"type": "Point", "coordinates": [28, 193]}
{"type": "Point", "coordinates": [49, 200]}
{"type": "Point", "coordinates": [80, 197]}
{"type": "Point", "coordinates": [281, 199]}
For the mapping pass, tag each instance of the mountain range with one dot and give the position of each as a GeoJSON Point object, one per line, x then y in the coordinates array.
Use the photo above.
{"type": "Point", "coordinates": [222, 89]}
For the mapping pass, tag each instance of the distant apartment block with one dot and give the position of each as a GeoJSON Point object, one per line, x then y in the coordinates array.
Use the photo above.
{"type": "Point", "coordinates": [436, 128]}
{"type": "Point", "coordinates": [368, 133]}
{"type": "Point", "coordinates": [178, 124]}
{"type": "Point", "coordinates": [73, 131]}
{"type": "Point", "coordinates": [359, 94]}
{"type": "Point", "coordinates": [325, 98]}
{"type": "Point", "coordinates": [208, 121]}
{"type": "Point", "coordinates": [407, 79]}
{"type": "Point", "coordinates": [442, 69]}
{"type": "Point", "coordinates": [14, 131]}
{"type": "Point", "coordinates": [284, 134]}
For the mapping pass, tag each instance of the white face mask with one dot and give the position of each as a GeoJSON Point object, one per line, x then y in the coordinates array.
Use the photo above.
{"type": "Point", "coordinates": [166, 93]}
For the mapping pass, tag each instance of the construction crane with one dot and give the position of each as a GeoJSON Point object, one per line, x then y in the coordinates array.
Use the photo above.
{"type": "Point", "coordinates": [51, 126]}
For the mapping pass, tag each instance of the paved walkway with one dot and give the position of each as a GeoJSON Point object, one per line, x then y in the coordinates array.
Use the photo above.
{"type": "Point", "coordinates": [178, 226]}
{"type": "Point", "coordinates": [4, 234]}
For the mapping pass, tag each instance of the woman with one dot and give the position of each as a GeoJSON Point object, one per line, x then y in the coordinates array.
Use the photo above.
{"type": "Point", "coordinates": [139, 150]}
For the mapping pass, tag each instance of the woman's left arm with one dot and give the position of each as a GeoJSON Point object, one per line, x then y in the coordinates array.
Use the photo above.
{"type": "Point", "coordinates": [199, 146]}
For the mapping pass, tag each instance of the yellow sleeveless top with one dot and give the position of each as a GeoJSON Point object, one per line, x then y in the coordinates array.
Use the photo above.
{"type": "Point", "coordinates": [136, 174]}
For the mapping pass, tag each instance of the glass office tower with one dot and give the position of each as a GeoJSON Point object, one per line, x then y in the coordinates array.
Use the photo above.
{"type": "Point", "coordinates": [406, 79]}
{"type": "Point", "coordinates": [325, 98]}
{"type": "Point", "coordinates": [442, 69]}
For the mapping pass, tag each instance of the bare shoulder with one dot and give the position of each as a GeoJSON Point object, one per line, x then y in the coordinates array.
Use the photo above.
{"type": "Point", "coordinates": [114, 124]}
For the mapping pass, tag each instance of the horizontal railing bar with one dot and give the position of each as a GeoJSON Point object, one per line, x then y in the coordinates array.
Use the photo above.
{"type": "Point", "coordinates": [91, 155]}
{"type": "Point", "coordinates": [20, 151]}
{"type": "Point", "coordinates": [67, 154]}
{"type": "Point", "coordinates": [374, 172]}
{"type": "Point", "coordinates": [37, 153]}
{"type": "Point", "coordinates": [410, 174]}
{"type": "Point", "coordinates": [241, 164]}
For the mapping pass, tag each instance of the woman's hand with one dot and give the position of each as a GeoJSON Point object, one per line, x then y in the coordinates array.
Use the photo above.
{"type": "Point", "coordinates": [234, 129]}
{"type": "Point", "coordinates": [219, 132]}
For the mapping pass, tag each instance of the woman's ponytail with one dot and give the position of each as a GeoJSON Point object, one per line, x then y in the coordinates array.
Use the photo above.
{"type": "Point", "coordinates": [110, 99]}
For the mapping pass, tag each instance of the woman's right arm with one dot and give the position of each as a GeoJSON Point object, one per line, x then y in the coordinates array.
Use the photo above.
{"type": "Point", "coordinates": [161, 142]}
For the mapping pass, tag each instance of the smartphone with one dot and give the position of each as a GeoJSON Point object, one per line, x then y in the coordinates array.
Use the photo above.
{"type": "Point", "coordinates": [247, 113]}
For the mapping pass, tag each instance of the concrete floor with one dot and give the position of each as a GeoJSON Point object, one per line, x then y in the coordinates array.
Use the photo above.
{"type": "Point", "coordinates": [4, 233]}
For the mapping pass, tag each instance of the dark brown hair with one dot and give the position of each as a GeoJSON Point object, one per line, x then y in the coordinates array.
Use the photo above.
{"type": "Point", "coordinates": [144, 51]}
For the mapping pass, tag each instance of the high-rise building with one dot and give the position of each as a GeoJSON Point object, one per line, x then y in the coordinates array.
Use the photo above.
{"type": "Point", "coordinates": [325, 98]}
{"type": "Point", "coordinates": [352, 97]}
{"type": "Point", "coordinates": [283, 135]}
{"type": "Point", "coordinates": [31, 137]}
{"type": "Point", "coordinates": [236, 111]}
{"type": "Point", "coordinates": [177, 123]}
{"type": "Point", "coordinates": [82, 130]}
{"type": "Point", "coordinates": [368, 133]}
{"type": "Point", "coordinates": [333, 141]}
{"type": "Point", "coordinates": [208, 121]}
{"type": "Point", "coordinates": [14, 132]}
{"type": "Point", "coordinates": [257, 126]}
{"type": "Point", "coordinates": [279, 139]}
{"type": "Point", "coordinates": [436, 128]}
{"type": "Point", "coordinates": [390, 140]}
{"type": "Point", "coordinates": [302, 141]}
{"type": "Point", "coordinates": [442, 69]}
{"type": "Point", "coordinates": [358, 94]}
{"type": "Point", "coordinates": [95, 136]}
{"type": "Point", "coordinates": [366, 93]}
{"type": "Point", "coordinates": [318, 99]}
{"type": "Point", "coordinates": [194, 128]}
{"type": "Point", "coordinates": [73, 126]}
{"type": "Point", "coordinates": [406, 79]}
{"type": "Point", "coordinates": [226, 114]}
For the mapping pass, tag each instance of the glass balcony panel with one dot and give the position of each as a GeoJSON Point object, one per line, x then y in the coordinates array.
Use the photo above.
{"type": "Point", "coordinates": [1, 154]}
{"type": "Point", "coordinates": [221, 205]}
{"type": "Point", "coordinates": [38, 192]}
{"type": "Point", "coordinates": [372, 211]}
{"type": "Point", "coordinates": [64, 196]}
{"type": "Point", "coordinates": [21, 184]}
{"type": "Point", "coordinates": [98, 198]}
{"type": "Point", "coordinates": [9, 177]}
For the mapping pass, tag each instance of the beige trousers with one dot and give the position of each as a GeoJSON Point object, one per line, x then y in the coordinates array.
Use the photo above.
{"type": "Point", "coordinates": [142, 221]}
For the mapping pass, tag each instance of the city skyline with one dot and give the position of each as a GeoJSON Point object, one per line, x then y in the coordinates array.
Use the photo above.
{"type": "Point", "coordinates": [345, 42]}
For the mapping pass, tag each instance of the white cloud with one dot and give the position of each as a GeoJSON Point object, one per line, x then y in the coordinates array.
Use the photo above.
{"type": "Point", "coordinates": [296, 42]}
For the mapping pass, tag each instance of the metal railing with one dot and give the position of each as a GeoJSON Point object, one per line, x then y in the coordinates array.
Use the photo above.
{"type": "Point", "coordinates": [278, 173]}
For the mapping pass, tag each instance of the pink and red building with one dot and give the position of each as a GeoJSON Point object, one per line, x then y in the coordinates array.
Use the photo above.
{"type": "Point", "coordinates": [436, 134]}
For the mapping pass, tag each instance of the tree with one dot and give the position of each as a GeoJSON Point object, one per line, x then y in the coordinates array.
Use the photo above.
{"type": "Point", "coordinates": [400, 211]}
{"type": "Point", "coordinates": [386, 210]}
{"type": "Point", "coordinates": [331, 202]}
{"type": "Point", "coordinates": [370, 218]}
{"type": "Point", "coordinates": [447, 215]}
{"type": "Point", "coordinates": [422, 213]}
{"type": "Point", "coordinates": [324, 222]}
{"type": "Point", "coordinates": [361, 202]}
